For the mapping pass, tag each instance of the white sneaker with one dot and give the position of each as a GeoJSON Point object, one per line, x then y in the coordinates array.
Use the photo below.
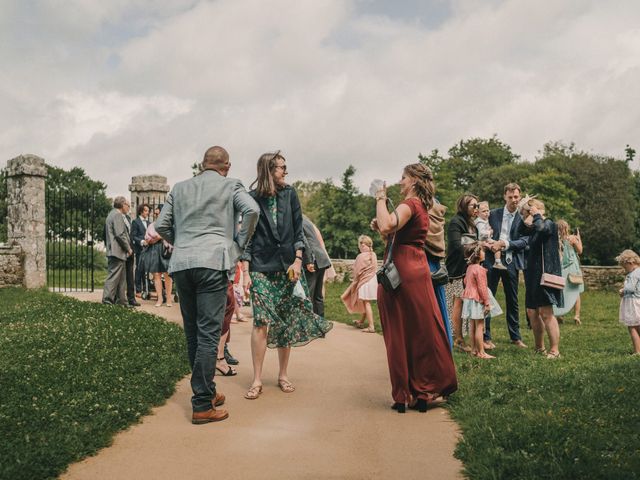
{"type": "Point", "coordinates": [499, 266]}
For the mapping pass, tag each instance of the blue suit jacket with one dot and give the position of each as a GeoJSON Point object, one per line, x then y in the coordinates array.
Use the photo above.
{"type": "Point", "coordinates": [517, 242]}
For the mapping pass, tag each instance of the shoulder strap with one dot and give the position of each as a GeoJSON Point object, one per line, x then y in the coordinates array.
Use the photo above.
{"type": "Point", "coordinates": [389, 257]}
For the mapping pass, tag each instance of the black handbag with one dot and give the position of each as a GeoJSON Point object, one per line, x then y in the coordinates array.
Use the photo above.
{"type": "Point", "coordinates": [166, 252]}
{"type": "Point", "coordinates": [388, 275]}
{"type": "Point", "coordinates": [440, 276]}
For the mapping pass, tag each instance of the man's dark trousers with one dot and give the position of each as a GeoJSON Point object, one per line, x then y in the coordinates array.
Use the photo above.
{"type": "Point", "coordinates": [203, 297]}
{"type": "Point", "coordinates": [315, 282]}
{"type": "Point", "coordinates": [509, 279]}
{"type": "Point", "coordinates": [131, 291]}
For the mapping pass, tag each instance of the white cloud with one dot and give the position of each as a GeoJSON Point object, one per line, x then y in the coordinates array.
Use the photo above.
{"type": "Point", "coordinates": [151, 85]}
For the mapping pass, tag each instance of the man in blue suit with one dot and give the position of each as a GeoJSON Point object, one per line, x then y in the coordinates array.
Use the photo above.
{"type": "Point", "coordinates": [504, 222]}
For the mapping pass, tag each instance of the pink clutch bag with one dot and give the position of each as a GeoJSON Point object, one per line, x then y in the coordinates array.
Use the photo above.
{"type": "Point", "coordinates": [552, 281]}
{"type": "Point", "coordinates": [549, 280]}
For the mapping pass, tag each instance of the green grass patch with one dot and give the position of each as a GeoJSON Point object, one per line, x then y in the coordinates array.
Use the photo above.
{"type": "Point", "coordinates": [76, 279]}
{"type": "Point", "coordinates": [525, 417]}
{"type": "Point", "coordinates": [75, 373]}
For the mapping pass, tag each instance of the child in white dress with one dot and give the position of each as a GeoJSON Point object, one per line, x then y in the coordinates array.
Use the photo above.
{"type": "Point", "coordinates": [630, 293]}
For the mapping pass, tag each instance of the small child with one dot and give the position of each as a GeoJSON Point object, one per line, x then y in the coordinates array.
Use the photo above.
{"type": "Point", "coordinates": [477, 299]}
{"type": "Point", "coordinates": [485, 232]}
{"type": "Point", "coordinates": [630, 293]}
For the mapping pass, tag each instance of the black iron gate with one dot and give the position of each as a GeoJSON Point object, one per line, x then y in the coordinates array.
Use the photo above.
{"type": "Point", "coordinates": [71, 233]}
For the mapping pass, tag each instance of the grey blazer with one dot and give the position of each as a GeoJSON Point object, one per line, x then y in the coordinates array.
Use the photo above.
{"type": "Point", "coordinates": [117, 238]}
{"type": "Point", "coordinates": [200, 218]}
{"type": "Point", "coordinates": [319, 254]}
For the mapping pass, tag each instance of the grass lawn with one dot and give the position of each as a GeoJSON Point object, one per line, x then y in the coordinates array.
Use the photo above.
{"type": "Point", "coordinates": [76, 279]}
{"type": "Point", "coordinates": [525, 417]}
{"type": "Point", "coordinates": [74, 373]}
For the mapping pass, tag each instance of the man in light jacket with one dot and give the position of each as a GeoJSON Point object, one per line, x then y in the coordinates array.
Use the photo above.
{"type": "Point", "coordinates": [199, 218]}
{"type": "Point", "coordinates": [118, 245]}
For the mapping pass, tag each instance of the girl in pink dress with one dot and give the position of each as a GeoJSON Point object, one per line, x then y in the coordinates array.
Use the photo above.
{"type": "Point", "coordinates": [477, 300]}
{"type": "Point", "coordinates": [364, 285]}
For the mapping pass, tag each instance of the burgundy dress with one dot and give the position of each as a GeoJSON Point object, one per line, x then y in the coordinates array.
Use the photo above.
{"type": "Point", "coordinates": [420, 360]}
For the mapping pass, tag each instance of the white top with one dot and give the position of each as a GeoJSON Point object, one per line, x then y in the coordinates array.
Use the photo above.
{"type": "Point", "coordinates": [507, 221]}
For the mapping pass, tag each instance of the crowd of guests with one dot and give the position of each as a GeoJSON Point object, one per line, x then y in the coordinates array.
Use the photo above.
{"type": "Point", "coordinates": [224, 245]}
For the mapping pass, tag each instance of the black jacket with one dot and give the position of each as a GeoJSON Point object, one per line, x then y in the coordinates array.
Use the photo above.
{"type": "Point", "coordinates": [273, 247]}
{"type": "Point", "coordinates": [455, 262]}
{"type": "Point", "coordinates": [137, 234]}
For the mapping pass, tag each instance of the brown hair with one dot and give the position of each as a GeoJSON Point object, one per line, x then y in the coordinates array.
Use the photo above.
{"type": "Point", "coordinates": [264, 184]}
{"type": "Point", "coordinates": [510, 187]}
{"type": "Point", "coordinates": [462, 207]}
{"type": "Point", "coordinates": [563, 232]}
{"type": "Point", "coordinates": [424, 187]}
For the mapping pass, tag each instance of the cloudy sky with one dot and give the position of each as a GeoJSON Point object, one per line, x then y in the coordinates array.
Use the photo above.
{"type": "Point", "coordinates": [129, 87]}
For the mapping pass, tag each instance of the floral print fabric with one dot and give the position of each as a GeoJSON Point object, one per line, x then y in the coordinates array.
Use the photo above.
{"type": "Point", "coordinates": [290, 319]}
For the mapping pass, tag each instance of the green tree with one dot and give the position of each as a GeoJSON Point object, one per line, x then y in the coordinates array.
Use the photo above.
{"type": "Point", "coordinates": [606, 206]}
{"type": "Point", "coordinates": [63, 189]}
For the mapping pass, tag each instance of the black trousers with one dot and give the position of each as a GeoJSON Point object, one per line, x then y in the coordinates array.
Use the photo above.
{"type": "Point", "coordinates": [203, 298]}
{"type": "Point", "coordinates": [509, 279]}
{"type": "Point", "coordinates": [131, 291]}
{"type": "Point", "coordinates": [315, 282]}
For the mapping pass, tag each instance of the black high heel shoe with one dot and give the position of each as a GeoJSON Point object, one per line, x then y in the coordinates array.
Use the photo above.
{"type": "Point", "coordinates": [399, 407]}
{"type": "Point", "coordinates": [420, 405]}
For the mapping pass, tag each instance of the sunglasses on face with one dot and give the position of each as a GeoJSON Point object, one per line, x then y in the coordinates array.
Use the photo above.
{"type": "Point", "coordinates": [283, 167]}
{"type": "Point", "coordinates": [475, 206]}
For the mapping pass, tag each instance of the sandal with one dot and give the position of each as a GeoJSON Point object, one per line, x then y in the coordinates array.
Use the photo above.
{"type": "Point", "coordinates": [540, 351]}
{"type": "Point", "coordinates": [368, 330]}
{"type": "Point", "coordinates": [577, 320]}
{"type": "Point", "coordinates": [253, 393]}
{"type": "Point", "coordinates": [286, 386]}
{"type": "Point", "coordinates": [358, 324]}
{"type": "Point", "coordinates": [229, 373]}
{"type": "Point", "coordinates": [553, 355]}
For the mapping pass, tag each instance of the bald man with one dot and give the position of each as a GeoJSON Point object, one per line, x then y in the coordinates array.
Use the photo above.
{"type": "Point", "coordinates": [200, 218]}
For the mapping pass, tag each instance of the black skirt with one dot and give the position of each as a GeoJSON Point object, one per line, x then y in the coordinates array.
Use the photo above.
{"type": "Point", "coordinates": [151, 260]}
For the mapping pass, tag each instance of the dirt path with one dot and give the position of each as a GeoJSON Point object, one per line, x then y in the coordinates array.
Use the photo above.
{"type": "Point", "coordinates": [336, 425]}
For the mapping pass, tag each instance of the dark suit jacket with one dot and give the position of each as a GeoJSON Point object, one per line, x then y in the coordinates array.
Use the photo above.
{"type": "Point", "coordinates": [273, 246]}
{"type": "Point", "coordinates": [517, 241]}
{"type": "Point", "coordinates": [455, 261]}
{"type": "Point", "coordinates": [137, 234]}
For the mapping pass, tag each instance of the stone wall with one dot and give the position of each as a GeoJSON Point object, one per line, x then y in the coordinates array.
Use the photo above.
{"type": "Point", "coordinates": [11, 269]}
{"type": "Point", "coordinates": [595, 278]}
{"type": "Point", "coordinates": [603, 278]}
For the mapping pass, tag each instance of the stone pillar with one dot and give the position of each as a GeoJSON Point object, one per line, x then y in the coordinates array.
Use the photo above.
{"type": "Point", "coordinates": [26, 215]}
{"type": "Point", "coordinates": [151, 189]}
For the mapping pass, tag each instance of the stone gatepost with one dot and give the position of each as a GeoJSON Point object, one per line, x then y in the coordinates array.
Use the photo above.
{"type": "Point", "coordinates": [26, 215]}
{"type": "Point", "coordinates": [151, 189]}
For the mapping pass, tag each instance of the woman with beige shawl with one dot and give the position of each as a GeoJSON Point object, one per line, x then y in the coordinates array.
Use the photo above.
{"type": "Point", "coordinates": [364, 285]}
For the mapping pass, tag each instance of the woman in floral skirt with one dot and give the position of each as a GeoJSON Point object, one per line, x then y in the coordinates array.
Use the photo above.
{"type": "Point", "coordinates": [282, 312]}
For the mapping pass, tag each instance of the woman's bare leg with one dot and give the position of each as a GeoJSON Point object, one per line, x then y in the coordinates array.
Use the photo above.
{"type": "Point", "coordinates": [168, 285]}
{"type": "Point", "coordinates": [368, 312]}
{"type": "Point", "coordinates": [157, 282]}
{"type": "Point", "coordinates": [283, 358]}
{"type": "Point", "coordinates": [635, 338]}
{"type": "Point", "coordinates": [258, 352]}
{"type": "Point", "coordinates": [553, 330]}
{"type": "Point", "coordinates": [537, 326]}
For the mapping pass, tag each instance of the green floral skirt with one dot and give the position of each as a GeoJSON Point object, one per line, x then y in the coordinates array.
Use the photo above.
{"type": "Point", "coordinates": [290, 319]}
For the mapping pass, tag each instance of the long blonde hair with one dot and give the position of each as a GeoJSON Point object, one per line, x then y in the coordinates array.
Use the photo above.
{"type": "Point", "coordinates": [563, 233]}
{"type": "Point", "coordinates": [264, 183]}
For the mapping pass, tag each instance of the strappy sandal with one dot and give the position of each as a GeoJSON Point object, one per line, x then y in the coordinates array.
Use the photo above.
{"type": "Point", "coordinates": [577, 320]}
{"type": "Point", "coordinates": [253, 393]}
{"type": "Point", "coordinates": [368, 330]}
{"type": "Point", "coordinates": [540, 351]}
{"type": "Point", "coordinates": [553, 355]}
{"type": "Point", "coordinates": [229, 373]}
{"type": "Point", "coordinates": [358, 324]}
{"type": "Point", "coordinates": [286, 386]}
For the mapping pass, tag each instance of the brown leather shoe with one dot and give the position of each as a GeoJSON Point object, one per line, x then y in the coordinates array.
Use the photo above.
{"type": "Point", "coordinates": [207, 416]}
{"type": "Point", "coordinates": [219, 400]}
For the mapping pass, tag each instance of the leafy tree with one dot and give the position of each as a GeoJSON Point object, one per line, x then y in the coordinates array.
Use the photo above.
{"type": "Point", "coordinates": [606, 205]}
{"type": "Point", "coordinates": [490, 185]}
{"type": "Point", "coordinates": [552, 187]}
{"type": "Point", "coordinates": [64, 188]}
{"type": "Point", "coordinates": [470, 158]}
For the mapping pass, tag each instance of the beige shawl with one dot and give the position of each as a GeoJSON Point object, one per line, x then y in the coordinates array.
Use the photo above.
{"type": "Point", "coordinates": [434, 243]}
{"type": "Point", "coordinates": [364, 269]}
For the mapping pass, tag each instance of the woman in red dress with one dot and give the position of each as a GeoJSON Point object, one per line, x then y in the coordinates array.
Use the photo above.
{"type": "Point", "coordinates": [420, 361]}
